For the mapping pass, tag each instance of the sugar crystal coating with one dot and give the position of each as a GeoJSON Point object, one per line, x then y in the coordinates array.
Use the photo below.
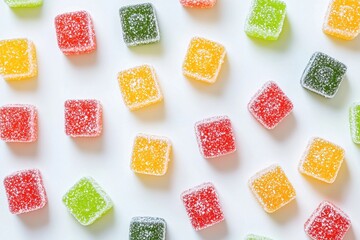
{"type": "Point", "coordinates": [24, 3]}
{"type": "Point", "coordinates": [147, 228]}
{"type": "Point", "coordinates": [272, 188]}
{"type": "Point", "coordinates": [75, 33]}
{"type": "Point", "coordinates": [322, 160]}
{"type": "Point", "coordinates": [354, 119]}
{"type": "Point", "coordinates": [203, 60]}
{"type": "Point", "coordinates": [25, 191]}
{"type": "Point", "coordinates": [198, 3]}
{"type": "Point", "coordinates": [202, 206]}
{"type": "Point", "coordinates": [215, 136]}
{"type": "Point", "coordinates": [87, 201]}
{"type": "Point", "coordinates": [327, 222]}
{"type": "Point", "coordinates": [256, 237]}
{"type": "Point", "coordinates": [270, 105]}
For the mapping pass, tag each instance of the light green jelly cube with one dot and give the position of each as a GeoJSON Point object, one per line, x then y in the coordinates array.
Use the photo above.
{"type": "Point", "coordinates": [266, 19]}
{"type": "Point", "coordinates": [256, 237]}
{"type": "Point", "coordinates": [24, 3]}
{"type": "Point", "coordinates": [86, 201]}
{"type": "Point", "coordinates": [355, 122]}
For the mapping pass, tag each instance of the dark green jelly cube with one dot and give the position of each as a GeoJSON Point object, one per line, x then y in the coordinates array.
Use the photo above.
{"type": "Point", "coordinates": [149, 228]}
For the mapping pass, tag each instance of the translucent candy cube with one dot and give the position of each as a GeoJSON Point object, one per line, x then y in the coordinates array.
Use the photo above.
{"type": "Point", "coordinates": [83, 118]}
{"type": "Point", "coordinates": [139, 24]}
{"type": "Point", "coordinates": [323, 75]}
{"type": "Point", "coordinates": [87, 201]}
{"type": "Point", "coordinates": [270, 105]}
{"type": "Point", "coordinates": [343, 19]}
{"type": "Point", "coordinates": [354, 118]}
{"type": "Point", "coordinates": [75, 33]}
{"type": "Point", "coordinates": [18, 123]}
{"type": "Point", "coordinates": [256, 237]}
{"type": "Point", "coordinates": [202, 206]}
{"type": "Point", "coordinates": [139, 87]}
{"type": "Point", "coordinates": [198, 3]}
{"type": "Point", "coordinates": [215, 136]}
{"type": "Point", "coordinates": [25, 191]}
{"type": "Point", "coordinates": [152, 228]}
{"type": "Point", "coordinates": [327, 222]}
{"type": "Point", "coordinates": [18, 59]}
{"type": "Point", "coordinates": [203, 60]}
{"type": "Point", "coordinates": [272, 188]}
{"type": "Point", "coordinates": [24, 3]}
{"type": "Point", "coordinates": [150, 155]}
{"type": "Point", "coordinates": [266, 19]}
{"type": "Point", "coordinates": [322, 160]}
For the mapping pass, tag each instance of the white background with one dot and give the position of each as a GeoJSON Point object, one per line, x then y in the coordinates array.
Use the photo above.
{"type": "Point", "coordinates": [249, 64]}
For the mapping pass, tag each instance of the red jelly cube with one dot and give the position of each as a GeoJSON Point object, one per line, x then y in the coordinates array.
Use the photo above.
{"type": "Point", "coordinates": [25, 191]}
{"type": "Point", "coordinates": [198, 3]}
{"type": "Point", "coordinates": [83, 118]}
{"type": "Point", "coordinates": [327, 222]}
{"type": "Point", "coordinates": [215, 136]}
{"type": "Point", "coordinates": [270, 105]}
{"type": "Point", "coordinates": [202, 206]}
{"type": "Point", "coordinates": [18, 123]}
{"type": "Point", "coordinates": [75, 33]}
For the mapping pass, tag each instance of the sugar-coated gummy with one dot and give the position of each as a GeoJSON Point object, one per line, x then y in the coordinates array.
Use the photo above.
{"type": "Point", "coordinates": [270, 105]}
{"type": "Point", "coordinates": [202, 206]}
{"type": "Point", "coordinates": [25, 191]}
{"type": "Point", "coordinates": [215, 136]}
{"type": "Point", "coordinates": [327, 222]}
{"type": "Point", "coordinates": [139, 24]}
{"type": "Point", "coordinates": [75, 33]}
{"type": "Point", "coordinates": [87, 201]}
{"type": "Point", "coordinates": [266, 19]}
{"type": "Point", "coordinates": [18, 59]}
{"type": "Point", "coordinates": [323, 75]}
{"type": "Point", "coordinates": [343, 19]}
{"type": "Point", "coordinates": [354, 119]}
{"type": "Point", "coordinates": [203, 60]}
{"type": "Point", "coordinates": [198, 3]}
{"type": "Point", "coordinates": [272, 188]}
{"type": "Point", "coordinates": [147, 228]}
{"type": "Point", "coordinates": [24, 3]}
{"type": "Point", "coordinates": [256, 237]}
{"type": "Point", "coordinates": [322, 160]}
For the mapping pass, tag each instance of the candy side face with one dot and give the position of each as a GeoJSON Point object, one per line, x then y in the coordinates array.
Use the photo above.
{"type": "Point", "coordinates": [327, 222]}
{"type": "Point", "coordinates": [25, 191]}
{"type": "Point", "coordinates": [256, 237]}
{"type": "Point", "coordinates": [86, 201]}
{"type": "Point", "coordinates": [202, 206]}
{"type": "Point", "coordinates": [203, 60]}
{"type": "Point", "coordinates": [322, 160]}
{"type": "Point", "coordinates": [150, 228]}
{"type": "Point", "coordinates": [354, 119]}
{"type": "Point", "coordinates": [198, 3]}
{"type": "Point", "coordinates": [24, 3]}
{"type": "Point", "coordinates": [266, 19]}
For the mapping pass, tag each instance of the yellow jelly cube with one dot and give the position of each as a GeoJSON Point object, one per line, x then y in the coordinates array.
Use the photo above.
{"type": "Point", "coordinates": [272, 188]}
{"type": "Point", "coordinates": [203, 60]}
{"type": "Point", "coordinates": [17, 59]}
{"type": "Point", "coordinates": [322, 160]}
{"type": "Point", "coordinates": [139, 87]}
{"type": "Point", "coordinates": [343, 19]}
{"type": "Point", "coordinates": [150, 155]}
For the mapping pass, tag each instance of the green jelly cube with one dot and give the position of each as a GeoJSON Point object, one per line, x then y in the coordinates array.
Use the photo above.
{"type": "Point", "coordinates": [86, 201]}
{"type": "Point", "coordinates": [323, 75]}
{"type": "Point", "coordinates": [139, 24]}
{"type": "Point", "coordinates": [256, 237]}
{"type": "Point", "coordinates": [266, 19]}
{"type": "Point", "coordinates": [149, 228]}
{"type": "Point", "coordinates": [354, 119]}
{"type": "Point", "coordinates": [24, 3]}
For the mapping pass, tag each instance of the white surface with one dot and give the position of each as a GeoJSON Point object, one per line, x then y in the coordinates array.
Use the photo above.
{"type": "Point", "coordinates": [249, 64]}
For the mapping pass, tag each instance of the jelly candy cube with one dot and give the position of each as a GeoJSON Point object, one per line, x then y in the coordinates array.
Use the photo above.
{"type": "Point", "coordinates": [343, 19]}
{"type": "Point", "coordinates": [24, 3]}
{"type": "Point", "coordinates": [198, 3]}
{"type": "Point", "coordinates": [139, 24]}
{"type": "Point", "coordinates": [323, 75]}
{"type": "Point", "coordinates": [75, 33]}
{"type": "Point", "coordinates": [203, 60]}
{"type": "Point", "coordinates": [151, 155]}
{"type": "Point", "coordinates": [327, 222]}
{"type": "Point", "coordinates": [272, 188]}
{"type": "Point", "coordinates": [202, 206]}
{"type": "Point", "coordinates": [215, 136]}
{"type": "Point", "coordinates": [25, 191]}
{"type": "Point", "coordinates": [139, 87]}
{"type": "Point", "coordinates": [18, 59]}
{"type": "Point", "coordinates": [266, 19]}
{"type": "Point", "coordinates": [87, 201]}
{"type": "Point", "coordinates": [354, 118]}
{"type": "Point", "coordinates": [270, 105]}
{"type": "Point", "coordinates": [322, 160]}
{"type": "Point", "coordinates": [18, 123]}
{"type": "Point", "coordinates": [83, 118]}
{"type": "Point", "coordinates": [256, 237]}
{"type": "Point", "coordinates": [149, 228]}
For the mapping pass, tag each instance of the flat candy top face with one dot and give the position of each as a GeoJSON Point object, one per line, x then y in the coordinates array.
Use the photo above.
{"type": "Point", "coordinates": [149, 228]}
{"type": "Point", "coordinates": [354, 118]}
{"type": "Point", "coordinates": [323, 75]}
{"type": "Point", "coordinates": [198, 3]}
{"type": "Point", "coordinates": [256, 237]}
{"type": "Point", "coordinates": [139, 24]}
{"type": "Point", "coordinates": [24, 3]}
